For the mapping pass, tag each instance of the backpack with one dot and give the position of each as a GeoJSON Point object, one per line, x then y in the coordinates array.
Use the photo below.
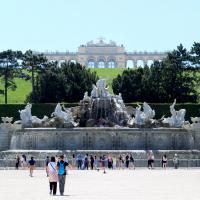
{"type": "Point", "coordinates": [61, 170]}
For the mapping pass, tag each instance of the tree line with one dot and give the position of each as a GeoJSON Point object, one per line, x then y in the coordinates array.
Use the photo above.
{"type": "Point", "coordinates": [175, 77]}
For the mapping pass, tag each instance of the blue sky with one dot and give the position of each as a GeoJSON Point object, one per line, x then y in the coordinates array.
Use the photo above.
{"type": "Point", "coordinates": [65, 24]}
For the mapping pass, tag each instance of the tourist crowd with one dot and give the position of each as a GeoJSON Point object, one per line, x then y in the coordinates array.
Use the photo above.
{"type": "Point", "coordinates": [56, 165]}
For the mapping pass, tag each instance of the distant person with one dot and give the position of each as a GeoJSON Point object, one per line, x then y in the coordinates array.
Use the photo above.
{"type": "Point", "coordinates": [53, 175]}
{"type": "Point", "coordinates": [114, 162]}
{"type": "Point", "coordinates": [103, 162]}
{"type": "Point", "coordinates": [61, 167]}
{"type": "Point", "coordinates": [150, 158]}
{"type": "Point", "coordinates": [164, 162]}
{"type": "Point", "coordinates": [92, 162]}
{"type": "Point", "coordinates": [73, 161]}
{"type": "Point", "coordinates": [23, 161]}
{"type": "Point", "coordinates": [176, 161]}
{"type": "Point", "coordinates": [121, 162]}
{"type": "Point", "coordinates": [132, 165]}
{"type": "Point", "coordinates": [17, 162]}
{"type": "Point", "coordinates": [47, 160]}
{"type": "Point", "coordinates": [110, 162]}
{"type": "Point", "coordinates": [79, 161]}
{"type": "Point", "coordinates": [31, 166]}
{"type": "Point", "coordinates": [86, 162]}
{"type": "Point", "coordinates": [96, 163]}
{"type": "Point", "coordinates": [127, 160]}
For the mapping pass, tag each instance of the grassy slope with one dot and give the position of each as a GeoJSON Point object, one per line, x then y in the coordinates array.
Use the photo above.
{"type": "Point", "coordinates": [108, 74]}
{"type": "Point", "coordinates": [24, 87]}
{"type": "Point", "coordinates": [19, 95]}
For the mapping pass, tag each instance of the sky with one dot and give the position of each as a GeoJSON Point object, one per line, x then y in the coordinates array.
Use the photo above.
{"type": "Point", "coordinates": [60, 25]}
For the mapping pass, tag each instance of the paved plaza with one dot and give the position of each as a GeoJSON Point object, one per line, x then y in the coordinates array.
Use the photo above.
{"type": "Point", "coordinates": [139, 184]}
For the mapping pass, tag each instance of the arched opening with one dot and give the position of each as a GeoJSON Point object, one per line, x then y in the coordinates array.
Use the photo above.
{"type": "Point", "coordinates": [60, 62]}
{"type": "Point", "coordinates": [149, 63]}
{"type": "Point", "coordinates": [101, 64]}
{"type": "Point", "coordinates": [72, 61]}
{"type": "Point", "coordinates": [140, 63]}
{"type": "Point", "coordinates": [129, 64]}
{"type": "Point", "coordinates": [91, 64]}
{"type": "Point", "coordinates": [111, 64]}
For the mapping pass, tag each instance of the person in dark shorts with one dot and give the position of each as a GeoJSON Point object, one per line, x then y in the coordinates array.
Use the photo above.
{"type": "Point", "coordinates": [61, 167]}
{"type": "Point", "coordinates": [164, 162]}
{"type": "Point", "coordinates": [31, 166]}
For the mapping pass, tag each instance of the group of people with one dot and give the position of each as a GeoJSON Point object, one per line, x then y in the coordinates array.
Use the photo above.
{"type": "Point", "coordinates": [164, 160]}
{"type": "Point", "coordinates": [56, 165]}
{"type": "Point", "coordinates": [56, 171]}
{"type": "Point", "coordinates": [93, 162]}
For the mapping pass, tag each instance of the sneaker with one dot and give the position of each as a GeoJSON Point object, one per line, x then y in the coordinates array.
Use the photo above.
{"type": "Point", "coordinates": [50, 192]}
{"type": "Point", "coordinates": [61, 194]}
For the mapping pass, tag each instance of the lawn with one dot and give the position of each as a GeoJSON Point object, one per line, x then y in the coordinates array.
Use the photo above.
{"type": "Point", "coordinates": [24, 87]}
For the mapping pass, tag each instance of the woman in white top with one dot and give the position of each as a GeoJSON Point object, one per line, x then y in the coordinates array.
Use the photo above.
{"type": "Point", "coordinates": [53, 176]}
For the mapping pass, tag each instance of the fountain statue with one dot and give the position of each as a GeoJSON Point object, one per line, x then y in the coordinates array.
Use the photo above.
{"type": "Point", "coordinates": [178, 117]}
{"type": "Point", "coordinates": [143, 117]}
{"type": "Point", "coordinates": [27, 120]}
{"type": "Point", "coordinates": [65, 117]}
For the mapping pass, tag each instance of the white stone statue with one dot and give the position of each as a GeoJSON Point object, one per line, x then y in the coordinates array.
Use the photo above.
{"type": "Point", "coordinates": [27, 120]}
{"type": "Point", "coordinates": [142, 117]}
{"type": "Point", "coordinates": [26, 116]}
{"type": "Point", "coordinates": [148, 111]}
{"type": "Point", "coordinates": [100, 90]}
{"type": "Point", "coordinates": [65, 115]}
{"type": "Point", "coordinates": [177, 118]}
{"type": "Point", "coordinates": [86, 97]}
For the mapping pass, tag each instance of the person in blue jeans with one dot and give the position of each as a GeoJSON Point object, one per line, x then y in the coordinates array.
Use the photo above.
{"type": "Point", "coordinates": [61, 167]}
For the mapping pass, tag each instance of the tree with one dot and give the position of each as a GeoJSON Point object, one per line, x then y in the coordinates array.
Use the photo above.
{"type": "Point", "coordinates": [8, 69]}
{"type": "Point", "coordinates": [172, 78]}
{"type": "Point", "coordinates": [67, 83]}
{"type": "Point", "coordinates": [34, 63]}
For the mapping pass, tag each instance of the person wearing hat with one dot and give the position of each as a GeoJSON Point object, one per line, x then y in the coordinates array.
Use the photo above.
{"type": "Point", "coordinates": [175, 161]}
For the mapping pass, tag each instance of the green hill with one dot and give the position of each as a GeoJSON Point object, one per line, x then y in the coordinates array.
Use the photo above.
{"type": "Point", "coordinates": [24, 87]}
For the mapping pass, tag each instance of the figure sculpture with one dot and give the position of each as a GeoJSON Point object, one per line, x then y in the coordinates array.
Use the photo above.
{"type": "Point", "coordinates": [177, 118]}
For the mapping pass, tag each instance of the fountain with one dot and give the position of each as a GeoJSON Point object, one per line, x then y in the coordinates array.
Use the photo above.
{"type": "Point", "coordinates": [101, 123]}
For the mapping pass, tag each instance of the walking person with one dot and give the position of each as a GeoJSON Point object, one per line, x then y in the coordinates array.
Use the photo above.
{"type": "Point", "coordinates": [73, 161]}
{"type": "Point", "coordinates": [176, 161]}
{"type": "Point", "coordinates": [114, 162]}
{"type": "Point", "coordinates": [132, 162]}
{"type": "Point", "coordinates": [61, 167]}
{"type": "Point", "coordinates": [121, 162]}
{"type": "Point", "coordinates": [91, 162]}
{"type": "Point", "coordinates": [79, 161]}
{"type": "Point", "coordinates": [150, 158]}
{"type": "Point", "coordinates": [31, 166]}
{"type": "Point", "coordinates": [127, 160]}
{"type": "Point", "coordinates": [96, 163]}
{"type": "Point", "coordinates": [47, 160]}
{"type": "Point", "coordinates": [110, 162]}
{"type": "Point", "coordinates": [53, 175]}
{"type": "Point", "coordinates": [164, 162]}
{"type": "Point", "coordinates": [86, 162]}
{"type": "Point", "coordinates": [23, 161]}
{"type": "Point", "coordinates": [103, 161]}
{"type": "Point", "coordinates": [17, 162]}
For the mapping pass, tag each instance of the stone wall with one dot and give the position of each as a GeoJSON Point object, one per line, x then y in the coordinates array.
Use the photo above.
{"type": "Point", "coordinates": [105, 139]}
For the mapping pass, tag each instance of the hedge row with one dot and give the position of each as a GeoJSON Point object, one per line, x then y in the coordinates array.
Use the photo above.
{"type": "Point", "coordinates": [39, 110]}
